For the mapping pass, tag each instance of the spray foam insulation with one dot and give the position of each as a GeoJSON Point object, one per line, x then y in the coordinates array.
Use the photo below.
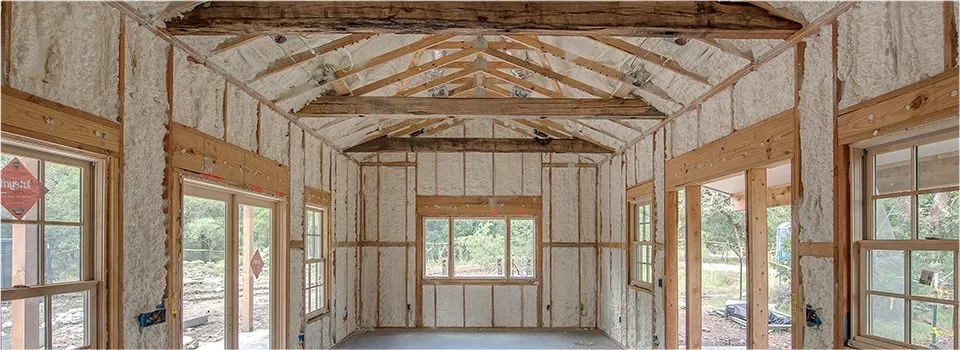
{"type": "Point", "coordinates": [326, 171]}
{"type": "Point", "coordinates": [295, 303]}
{"type": "Point", "coordinates": [564, 205]}
{"type": "Point", "coordinates": [588, 287]}
{"type": "Point", "coordinates": [341, 195]}
{"type": "Point", "coordinates": [411, 205]}
{"type": "Point", "coordinates": [630, 154]}
{"type": "Point", "coordinates": [547, 280]}
{"type": "Point", "coordinates": [411, 285]}
{"type": "Point", "coordinates": [393, 306]}
{"type": "Point", "coordinates": [565, 289]}
{"type": "Point", "coordinates": [532, 163]}
{"type": "Point", "coordinates": [274, 132]}
{"type": "Point", "coordinates": [808, 10]}
{"type": "Point", "coordinates": [818, 292]}
{"type": "Point", "coordinates": [392, 204]}
{"type": "Point", "coordinates": [630, 318]}
{"type": "Point", "coordinates": [296, 184]}
{"type": "Point", "coordinates": [644, 328]}
{"type": "Point", "coordinates": [144, 222]}
{"type": "Point", "coordinates": [344, 277]}
{"type": "Point", "coordinates": [241, 119]}
{"type": "Point", "coordinates": [546, 218]}
{"type": "Point", "coordinates": [429, 300]}
{"type": "Point", "coordinates": [426, 174]}
{"type": "Point", "coordinates": [604, 200]}
{"type": "Point", "coordinates": [507, 306]}
{"type": "Point", "coordinates": [312, 151]}
{"type": "Point", "coordinates": [765, 92]}
{"type": "Point", "coordinates": [479, 174]}
{"type": "Point", "coordinates": [450, 305]}
{"type": "Point", "coordinates": [67, 52]}
{"type": "Point", "coordinates": [716, 117]}
{"type": "Point", "coordinates": [505, 179]}
{"type": "Point", "coordinates": [529, 301]}
{"type": "Point", "coordinates": [450, 174]}
{"type": "Point", "coordinates": [588, 204]}
{"type": "Point", "coordinates": [368, 295]}
{"type": "Point", "coordinates": [198, 96]}
{"type": "Point", "coordinates": [883, 46]}
{"type": "Point", "coordinates": [684, 132]}
{"type": "Point", "coordinates": [815, 112]}
{"type": "Point", "coordinates": [478, 304]}
{"type": "Point", "coordinates": [644, 157]}
{"type": "Point", "coordinates": [370, 208]}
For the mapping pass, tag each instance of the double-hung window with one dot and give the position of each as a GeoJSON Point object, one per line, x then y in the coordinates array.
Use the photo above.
{"type": "Point", "coordinates": [482, 247]}
{"type": "Point", "coordinates": [49, 267]}
{"type": "Point", "coordinates": [316, 255]}
{"type": "Point", "coordinates": [641, 245]}
{"type": "Point", "coordinates": [908, 252]}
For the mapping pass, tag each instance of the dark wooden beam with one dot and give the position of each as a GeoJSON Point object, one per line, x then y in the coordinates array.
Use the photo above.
{"type": "Point", "coordinates": [412, 144]}
{"type": "Point", "coordinates": [706, 19]}
{"type": "Point", "coordinates": [420, 107]}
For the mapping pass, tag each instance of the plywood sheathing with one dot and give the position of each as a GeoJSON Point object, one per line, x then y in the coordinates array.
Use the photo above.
{"type": "Point", "coordinates": [884, 46]}
{"type": "Point", "coordinates": [76, 64]}
{"type": "Point", "coordinates": [144, 128]}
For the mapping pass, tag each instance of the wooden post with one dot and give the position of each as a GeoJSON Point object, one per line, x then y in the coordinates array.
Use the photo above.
{"type": "Point", "coordinates": [25, 313]}
{"type": "Point", "coordinates": [670, 285]}
{"type": "Point", "coordinates": [246, 301]}
{"type": "Point", "coordinates": [694, 324]}
{"type": "Point", "coordinates": [757, 281]}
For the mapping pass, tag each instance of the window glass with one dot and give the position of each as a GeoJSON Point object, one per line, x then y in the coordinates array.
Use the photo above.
{"type": "Point", "coordinates": [886, 317]}
{"type": "Point", "coordinates": [62, 254]}
{"type": "Point", "coordinates": [478, 247]}
{"type": "Point", "coordinates": [886, 273]}
{"type": "Point", "coordinates": [932, 274]}
{"type": "Point", "coordinates": [893, 171]}
{"type": "Point", "coordinates": [938, 215]}
{"type": "Point", "coordinates": [892, 218]}
{"type": "Point", "coordinates": [937, 164]}
{"type": "Point", "coordinates": [931, 325]}
{"type": "Point", "coordinates": [315, 240]}
{"type": "Point", "coordinates": [33, 311]}
{"type": "Point", "coordinates": [62, 201]}
{"type": "Point", "coordinates": [437, 241]}
{"type": "Point", "coordinates": [521, 247]}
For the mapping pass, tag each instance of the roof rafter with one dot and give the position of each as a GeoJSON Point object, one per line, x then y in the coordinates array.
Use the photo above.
{"type": "Point", "coordinates": [549, 74]}
{"type": "Point", "coordinates": [415, 144]}
{"type": "Point", "coordinates": [437, 63]}
{"type": "Point", "coordinates": [427, 85]}
{"type": "Point", "coordinates": [510, 79]}
{"type": "Point", "coordinates": [287, 62]}
{"type": "Point", "coordinates": [233, 43]}
{"type": "Point", "coordinates": [651, 57]}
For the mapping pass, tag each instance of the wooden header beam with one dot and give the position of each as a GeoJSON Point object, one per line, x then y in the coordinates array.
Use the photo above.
{"type": "Point", "coordinates": [419, 107]}
{"type": "Point", "coordinates": [405, 144]}
{"type": "Point", "coordinates": [728, 20]}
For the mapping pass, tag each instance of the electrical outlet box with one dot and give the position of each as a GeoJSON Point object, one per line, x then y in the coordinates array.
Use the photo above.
{"type": "Point", "coordinates": [157, 316]}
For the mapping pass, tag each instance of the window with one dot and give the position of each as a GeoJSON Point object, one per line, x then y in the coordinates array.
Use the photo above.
{"type": "Point", "coordinates": [315, 265]}
{"type": "Point", "coordinates": [909, 251]}
{"type": "Point", "coordinates": [48, 238]}
{"type": "Point", "coordinates": [641, 246]}
{"type": "Point", "coordinates": [479, 247]}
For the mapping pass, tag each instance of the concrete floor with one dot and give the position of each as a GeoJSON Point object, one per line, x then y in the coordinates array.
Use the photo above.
{"type": "Point", "coordinates": [479, 339]}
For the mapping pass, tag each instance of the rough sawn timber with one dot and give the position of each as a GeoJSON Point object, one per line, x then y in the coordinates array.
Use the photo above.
{"type": "Point", "coordinates": [419, 107]}
{"type": "Point", "coordinates": [657, 19]}
{"type": "Point", "coordinates": [410, 144]}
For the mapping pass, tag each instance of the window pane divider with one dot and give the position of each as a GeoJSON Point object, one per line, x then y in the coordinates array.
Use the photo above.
{"type": "Point", "coordinates": [17, 293]}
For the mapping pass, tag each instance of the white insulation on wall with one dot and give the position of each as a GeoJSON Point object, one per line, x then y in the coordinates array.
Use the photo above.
{"type": "Point", "coordinates": [144, 222]}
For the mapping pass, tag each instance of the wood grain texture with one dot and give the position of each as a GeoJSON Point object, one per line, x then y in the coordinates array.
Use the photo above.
{"type": "Point", "coordinates": [757, 279]}
{"type": "Point", "coordinates": [411, 144]}
{"type": "Point", "coordinates": [671, 286]}
{"type": "Point", "coordinates": [420, 107]}
{"type": "Point", "coordinates": [35, 117]}
{"type": "Point", "coordinates": [760, 144]}
{"type": "Point", "coordinates": [659, 19]}
{"type": "Point", "coordinates": [694, 266]}
{"type": "Point", "coordinates": [928, 100]}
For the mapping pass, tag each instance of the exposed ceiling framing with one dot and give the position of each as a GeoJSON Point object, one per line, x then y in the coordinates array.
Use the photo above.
{"type": "Point", "coordinates": [366, 73]}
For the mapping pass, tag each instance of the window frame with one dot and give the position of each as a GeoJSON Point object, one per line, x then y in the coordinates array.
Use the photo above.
{"type": "Point", "coordinates": [324, 261]}
{"type": "Point", "coordinates": [866, 242]}
{"type": "Point", "coordinates": [93, 236]}
{"type": "Point", "coordinates": [632, 254]}
{"type": "Point", "coordinates": [508, 274]}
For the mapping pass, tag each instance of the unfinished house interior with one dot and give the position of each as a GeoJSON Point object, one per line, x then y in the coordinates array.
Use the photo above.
{"type": "Point", "coordinates": [304, 175]}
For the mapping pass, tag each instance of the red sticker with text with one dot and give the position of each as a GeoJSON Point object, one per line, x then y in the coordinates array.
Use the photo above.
{"type": "Point", "coordinates": [256, 264]}
{"type": "Point", "coordinates": [20, 190]}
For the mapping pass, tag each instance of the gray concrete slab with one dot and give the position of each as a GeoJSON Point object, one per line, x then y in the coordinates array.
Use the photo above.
{"type": "Point", "coordinates": [479, 339]}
